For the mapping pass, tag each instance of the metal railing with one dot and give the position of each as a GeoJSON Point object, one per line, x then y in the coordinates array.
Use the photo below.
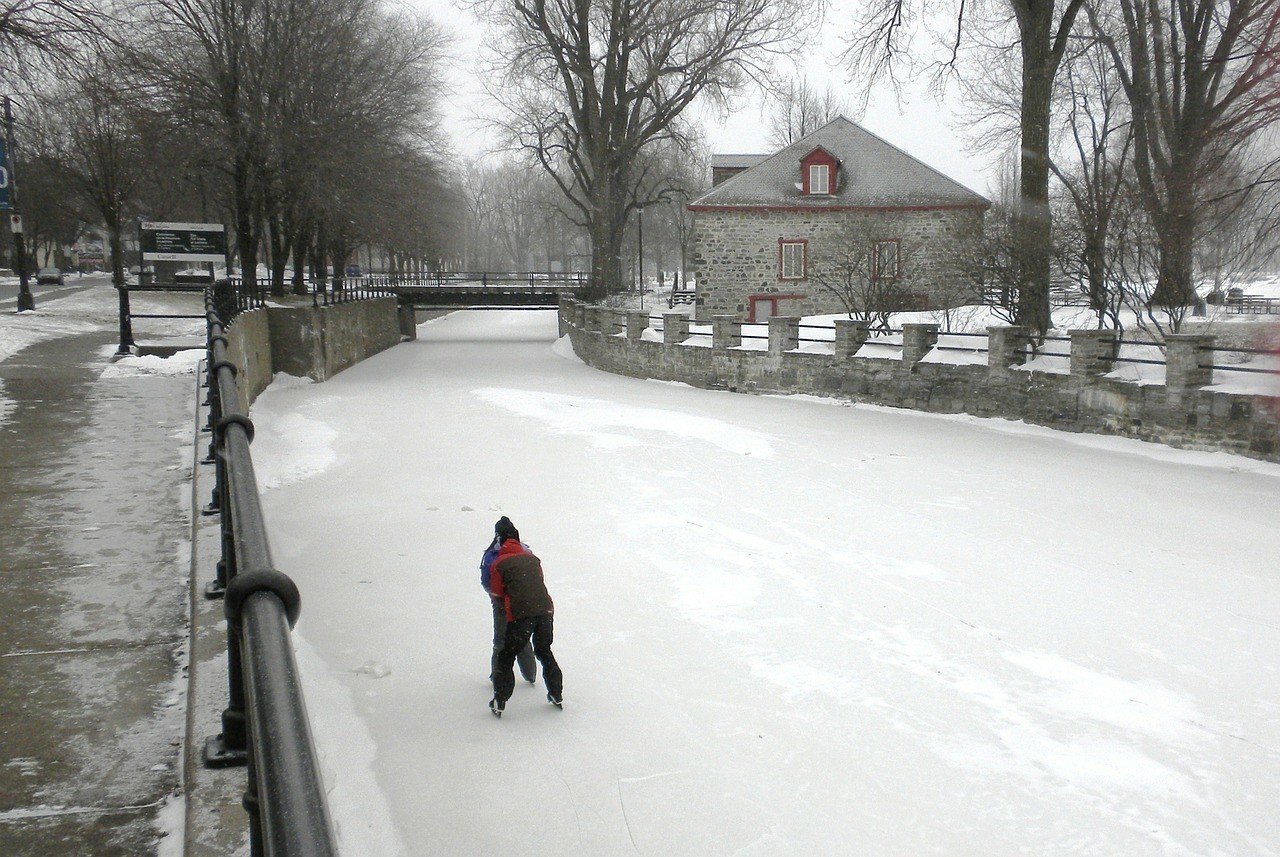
{"type": "Point", "coordinates": [265, 723]}
{"type": "Point", "coordinates": [1251, 305]}
{"type": "Point", "coordinates": [484, 279]}
{"type": "Point", "coordinates": [127, 315]}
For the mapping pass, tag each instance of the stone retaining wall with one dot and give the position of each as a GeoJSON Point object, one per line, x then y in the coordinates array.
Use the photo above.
{"type": "Point", "coordinates": [1178, 413]}
{"type": "Point", "coordinates": [315, 343]}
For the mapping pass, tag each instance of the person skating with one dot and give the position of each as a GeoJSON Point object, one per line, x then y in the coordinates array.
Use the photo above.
{"type": "Point", "coordinates": [528, 666]}
{"type": "Point", "coordinates": [515, 576]}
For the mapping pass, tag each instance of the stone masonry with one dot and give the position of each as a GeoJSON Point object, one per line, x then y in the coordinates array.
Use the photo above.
{"type": "Point", "coordinates": [735, 255]}
{"type": "Point", "coordinates": [1179, 413]}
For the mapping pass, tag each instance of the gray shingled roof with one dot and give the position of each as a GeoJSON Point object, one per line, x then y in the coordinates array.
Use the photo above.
{"type": "Point", "coordinates": [872, 173]}
{"type": "Point", "coordinates": [732, 161]}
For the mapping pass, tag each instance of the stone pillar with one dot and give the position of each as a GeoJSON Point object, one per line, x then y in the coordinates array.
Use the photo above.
{"type": "Point", "coordinates": [1188, 361]}
{"type": "Point", "coordinates": [597, 319]}
{"type": "Point", "coordinates": [726, 332]}
{"type": "Point", "coordinates": [917, 341]}
{"type": "Point", "coordinates": [675, 328]}
{"type": "Point", "coordinates": [850, 335]}
{"type": "Point", "coordinates": [408, 321]}
{"type": "Point", "coordinates": [784, 334]}
{"type": "Point", "coordinates": [1007, 346]}
{"type": "Point", "coordinates": [565, 313]}
{"type": "Point", "coordinates": [637, 322]}
{"type": "Point", "coordinates": [580, 316]}
{"type": "Point", "coordinates": [1093, 352]}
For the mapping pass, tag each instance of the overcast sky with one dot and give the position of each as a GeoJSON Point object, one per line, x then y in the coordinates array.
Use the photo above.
{"type": "Point", "coordinates": [919, 124]}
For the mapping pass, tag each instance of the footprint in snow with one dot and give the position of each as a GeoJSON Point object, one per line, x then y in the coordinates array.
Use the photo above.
{"type": "Point", "coordinates": [373, 669]}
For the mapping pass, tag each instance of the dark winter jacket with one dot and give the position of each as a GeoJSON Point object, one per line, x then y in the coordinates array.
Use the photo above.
{"type": "Point", "coordinates": [516, 578]}
{"type": "Point", "coordinates": [486, 563]}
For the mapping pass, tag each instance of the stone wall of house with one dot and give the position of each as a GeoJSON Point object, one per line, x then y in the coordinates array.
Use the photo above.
{"type": "Point", "coordinates": [1179, 413]}
{"type": "Point", "coordinates": [735, 255]}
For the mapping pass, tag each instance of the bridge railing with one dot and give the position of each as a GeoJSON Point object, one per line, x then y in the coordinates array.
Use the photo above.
{"type": "Point", "coordinates": [265, 723]}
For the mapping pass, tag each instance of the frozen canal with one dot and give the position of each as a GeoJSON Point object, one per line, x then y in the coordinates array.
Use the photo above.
{"type": "Point", "coordinates": [787, 626]}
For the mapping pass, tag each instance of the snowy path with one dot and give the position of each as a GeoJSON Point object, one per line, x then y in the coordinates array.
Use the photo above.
{"type": "Point", "coordinates": [786, 626]}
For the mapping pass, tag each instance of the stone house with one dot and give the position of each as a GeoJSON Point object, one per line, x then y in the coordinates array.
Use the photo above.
{"type": "Point", "coordinates": [775, 233]}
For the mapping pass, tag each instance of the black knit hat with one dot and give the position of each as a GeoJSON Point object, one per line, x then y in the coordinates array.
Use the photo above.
{"type": "Point", "coordinates": [504, 529]}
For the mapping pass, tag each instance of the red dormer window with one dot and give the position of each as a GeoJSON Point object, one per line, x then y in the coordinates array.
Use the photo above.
{"type": "Point", "coordinates": [819, 173]}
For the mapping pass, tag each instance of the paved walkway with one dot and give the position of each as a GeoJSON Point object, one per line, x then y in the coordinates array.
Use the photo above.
{"type": "Point", "coordinates": [95, 538]}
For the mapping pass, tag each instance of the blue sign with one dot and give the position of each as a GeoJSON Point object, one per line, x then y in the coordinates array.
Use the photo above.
{"type": "Point", "coordinates": [5, 177]}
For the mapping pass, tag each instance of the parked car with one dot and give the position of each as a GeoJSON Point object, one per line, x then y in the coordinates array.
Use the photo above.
{"type": "Point", "coordinates": [50, 277]}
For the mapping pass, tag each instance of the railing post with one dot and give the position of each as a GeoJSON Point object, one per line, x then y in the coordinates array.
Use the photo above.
{"type": "Point", "coordinates": [1188, 361]}
{"type": "Point", "coordinates": [726, 332]}
{"type": "Point", "coordinates": [850, 336]}
{"type": "Point", "coordinates": [1093, 352]}
{"type": "Point", "coordinates": [784, 334]}
{"type": "Point", "coordinates": [917, 341]}
{"type": "Point", "coordinates": [675, 328]}
{"type": "Point", "coordinates": [126, 319]}
{"type": "Point", "coordinates": [1006, 346]}
{"type": "Point", "coordinates": [637, 323]}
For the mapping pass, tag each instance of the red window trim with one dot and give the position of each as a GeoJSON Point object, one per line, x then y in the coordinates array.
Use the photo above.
{"type": "Point", "coordinates": [819, 156]}
{"type": "Point", "coordinates": [897, 259]}
{"type": "Point", "coordinates": [804, 260]}
{"type": "Point", "coordinates": [752, 300]}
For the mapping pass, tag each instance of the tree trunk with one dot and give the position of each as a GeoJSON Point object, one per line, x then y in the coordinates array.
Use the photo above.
{"type": "Point", "coordinates": [116, 242]}
{"type": "Point", "coordinates": [246, 231]}
{"type": "Point", "coordinates": [300, 245]}
{"type": "Point", "coordinates": [1176, 229]}
{"type": "Point", "coordinates": [1032, 224]}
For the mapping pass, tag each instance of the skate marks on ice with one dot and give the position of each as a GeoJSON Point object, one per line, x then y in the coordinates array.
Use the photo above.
{"type": "Point", "coordinates": [610, 425]}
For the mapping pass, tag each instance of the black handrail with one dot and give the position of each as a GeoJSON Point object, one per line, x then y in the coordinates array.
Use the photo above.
{"type": "Point", "coordinates": [265, 724]}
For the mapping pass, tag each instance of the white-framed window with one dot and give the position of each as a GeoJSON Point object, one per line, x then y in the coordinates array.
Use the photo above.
{"type": "Point", "coordinates": [791, 260]}
{"type": "Point", "coordinates": [819, 178]}
{"type": "Point", "coordinates": [885, 255]}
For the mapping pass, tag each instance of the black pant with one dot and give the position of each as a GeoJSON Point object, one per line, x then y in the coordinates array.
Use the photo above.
{"type": "Point", "coordinates": [518, 634]}
{"type": "Point", "coordinates": [528, 667]}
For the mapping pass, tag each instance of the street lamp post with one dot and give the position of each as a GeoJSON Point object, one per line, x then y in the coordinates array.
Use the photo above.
{"type": "Point", "coordinates": [640, 243]}
{"type": "Point", "coordinates": [25, 300]}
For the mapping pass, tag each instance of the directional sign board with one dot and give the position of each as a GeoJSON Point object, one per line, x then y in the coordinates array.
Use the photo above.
{"type": "Point", "coordinates": [5, 177]}
{"type": "Point", "coordinates": [184, 242]}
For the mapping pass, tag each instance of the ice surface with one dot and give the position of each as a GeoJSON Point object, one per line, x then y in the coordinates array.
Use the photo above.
{"type": "Point", "coordinates": [787, 626]}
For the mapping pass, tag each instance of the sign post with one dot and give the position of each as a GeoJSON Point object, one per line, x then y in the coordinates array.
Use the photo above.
{"type": "Point", "coordinates": [172, 242]}
{"type": "Point", "coordinates": [9, 202]}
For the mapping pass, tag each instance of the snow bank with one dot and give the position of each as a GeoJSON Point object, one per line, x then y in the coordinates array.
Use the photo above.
{"type": "Point", "coordinates": [182, 363]}
{"type": "Point", "coordinates": [347, 755]}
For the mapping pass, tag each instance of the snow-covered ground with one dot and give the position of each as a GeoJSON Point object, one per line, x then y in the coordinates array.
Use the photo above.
{"type": "Point", "coordinates": [95, 309]}
{"type": "Point", "coordinates": [787, 626]}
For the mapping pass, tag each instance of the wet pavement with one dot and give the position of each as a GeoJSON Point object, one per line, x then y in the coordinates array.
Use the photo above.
{"type": "Point", "coordinates": [95, 558]}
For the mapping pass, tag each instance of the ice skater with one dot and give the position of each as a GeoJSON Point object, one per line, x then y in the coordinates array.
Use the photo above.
{"type": "Point", "coordinates": [528, 666]}
{"type": "Point", "coordinates": [515, 577]}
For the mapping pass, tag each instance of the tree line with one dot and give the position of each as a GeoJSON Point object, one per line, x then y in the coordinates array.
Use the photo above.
{"type": "Point", "coordinates": [310, 127]}
{"type": "Point", "coordinates": [1144, 129]}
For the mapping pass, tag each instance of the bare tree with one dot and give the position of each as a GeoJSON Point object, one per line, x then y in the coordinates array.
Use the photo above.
{"type": "Point", "coordinates": [1202, 78]}
{"type": "Point", "coordinates": [800, 109]}
{"type": "Point", "coordinates": [44, 31]}
{"type": "Point", "coordinates": [1043, 30]}
{"type": "Point", "coordinates": [1092, 168]}
{"type": "Point", "coordinates": [591, 84]}
{"type": "Point", "coordinates": [866, 274]}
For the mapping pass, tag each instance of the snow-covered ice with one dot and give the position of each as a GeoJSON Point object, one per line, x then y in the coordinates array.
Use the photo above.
{"type": "Point", "coordinates": [787, 625]}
